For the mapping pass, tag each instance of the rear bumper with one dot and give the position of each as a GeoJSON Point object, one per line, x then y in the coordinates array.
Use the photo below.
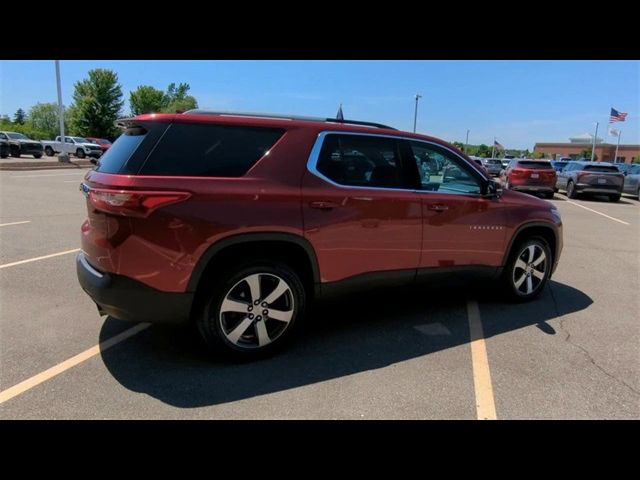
{"type": "Point", "coordinates": [127, 299]}
{"type": "Point", "coordinates": [589, 188]}
{"type": "Point", "coordinates": [532, 188]}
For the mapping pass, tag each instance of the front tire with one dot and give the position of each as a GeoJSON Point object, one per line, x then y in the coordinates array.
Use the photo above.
{"type": "Point", "coordinates": [614, 198]}
{"type": "Point", "coordinates": [528, 269]}
{"type": "Point", "coordinates": [48, 151]}
{"type": "Point", "coordinates": [571, 190]}
{"type": "Point", "coordinates": [15, 152]}
{"type": "Point", "coordinates": [252, 310]}
{"type": "Point", "coordinates": [37, 155]}
{"type": "Point", "coordinates": [80, 153]}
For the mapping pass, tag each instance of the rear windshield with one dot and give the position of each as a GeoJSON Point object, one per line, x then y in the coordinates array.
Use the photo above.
{"type": "Point", "coordinates": [494, 161]}
{"type": "Point", "coordinates": [121, 150]}
{"type": "Point", "coordinates": [209, 150]}
{"type": "Point", "coordinates": [601, 168]}
{"type": "Point", "coordinates": [535, 165]}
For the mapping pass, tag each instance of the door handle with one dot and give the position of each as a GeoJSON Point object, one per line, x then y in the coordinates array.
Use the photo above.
{"type": "Point", "coordinates": [437, 207]}
{"type": "Point", "coordinates": [321, 205]}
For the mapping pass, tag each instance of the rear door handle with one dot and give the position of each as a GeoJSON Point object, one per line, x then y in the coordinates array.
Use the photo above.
{"type": "Point", "coordinates": [437, 207]}
{"type": "Point", "coordinates": [321, 205]}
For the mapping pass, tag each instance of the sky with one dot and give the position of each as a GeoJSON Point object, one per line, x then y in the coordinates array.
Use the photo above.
{"type": "Point", "coordinates": [518, 102]}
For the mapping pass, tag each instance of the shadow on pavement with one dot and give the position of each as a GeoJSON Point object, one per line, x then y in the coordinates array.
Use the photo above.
{"type": "Point", "coordinates": [342, 337]}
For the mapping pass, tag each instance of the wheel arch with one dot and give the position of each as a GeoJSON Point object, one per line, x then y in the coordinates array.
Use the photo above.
{"type": "Point", "coordinates": [286, 246]}
{"type": "Point", "coordinates": [544, 229]}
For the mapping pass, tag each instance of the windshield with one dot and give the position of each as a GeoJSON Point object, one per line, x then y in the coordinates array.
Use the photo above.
{"type": "Point", "coordinates": [80, 140]}
{"type": "Point", "coordinates": [17, 136]}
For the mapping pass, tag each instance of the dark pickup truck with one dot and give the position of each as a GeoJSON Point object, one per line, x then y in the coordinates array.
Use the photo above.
{"type": "Point", "coordinates": [20, 144]}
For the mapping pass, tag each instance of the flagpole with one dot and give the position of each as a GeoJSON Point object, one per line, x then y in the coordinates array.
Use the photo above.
{"type": "Point", "coordinates": [494, 147]}
{"type": "Point", "coordinates": [615, 156]}
{"type": "Point", "coordinates": [593, 148]}
{"type": "Point", "coordinates": [606, 134]}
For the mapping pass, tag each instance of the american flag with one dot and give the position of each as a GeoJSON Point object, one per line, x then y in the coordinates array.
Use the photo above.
{"type": "Point", "coordinates": [617, 116]}
{"type": "Point", "coordinates": [497, 145]}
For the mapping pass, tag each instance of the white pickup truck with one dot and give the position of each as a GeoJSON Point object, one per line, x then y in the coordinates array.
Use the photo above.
{"type": "Point", "coordinates": [78, 146]}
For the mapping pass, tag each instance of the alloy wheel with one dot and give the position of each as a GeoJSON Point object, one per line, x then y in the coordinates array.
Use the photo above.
{"type": "Point", "coordinates": [529, 270]}
{"type": "Point", "coordinates": [257, 310]}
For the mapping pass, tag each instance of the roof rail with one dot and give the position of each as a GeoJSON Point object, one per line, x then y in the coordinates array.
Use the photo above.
{"type": "Point", "coordinates": [285, 117]}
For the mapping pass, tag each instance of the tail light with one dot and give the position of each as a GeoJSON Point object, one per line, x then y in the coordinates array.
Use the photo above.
{"type": "Point", "coordinates": [518, 172]}
{"type": "Point", "coordinates": [133, 203]}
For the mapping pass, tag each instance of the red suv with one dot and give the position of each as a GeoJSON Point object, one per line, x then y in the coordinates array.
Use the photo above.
{"type": "Point", "coordinates": [236, 221]}
{"type": "Point", "coordinates": [533, 176]}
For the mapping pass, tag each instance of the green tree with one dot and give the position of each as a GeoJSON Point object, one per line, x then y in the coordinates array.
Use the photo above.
{"type": "Point", "coordinates": [44, 117]}
{"type": "Point", "coordinates": [460, 145]}
{"type": "Point", "coordinates": [5, 119]}
{"type": "Point", "coordinates": [146, 99]}
{"type": "Point", "coordinates": [176, 98]}
{"type": "Point", "coordinates": [19, 117]}
{"type": "Point", "coordinates": [484, 151]}
{"type": "Point", "coordinates": [538, 155]}
{"type": "Point", "coordinates": [97, 104]}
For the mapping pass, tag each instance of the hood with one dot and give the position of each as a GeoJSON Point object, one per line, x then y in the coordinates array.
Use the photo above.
{"type": "Point", "coordinates": [523, 199]}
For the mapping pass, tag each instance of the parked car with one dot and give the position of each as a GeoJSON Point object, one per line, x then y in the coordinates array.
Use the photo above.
{"type": "Point", "coordinates": [494, 166]}
{"type": "Point", "coordinates": [20, 144]}
{"type": "Point", "coordinates": [78, 146]}
{"type": "Point", "coordinates": [4, 148]}
{"type": "Point", "coordinates": [236, 222]}
{"type": "Point", "coordinates": [505, 162]}
{"type": "Point", "coordinates": [591, 178]}
{"type": "Point", "coordinates": [624, 167]}
{"type": "Point", "coordinates": [632, 181]}
{"type": "Point", "coordinates": [559, 165]}
{"type": "Point", "coordinates": [103, 142]}
{"type": "Point", "coordinates": [531, 176]}
{"type": "Point", "coordinates": [479, 162]}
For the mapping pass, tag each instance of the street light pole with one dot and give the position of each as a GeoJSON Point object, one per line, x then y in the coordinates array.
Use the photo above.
{"type": "Point", "coordinates": [466, 142]}
{"type": "Point", "coordinates": [415, 115]}
{"type": "Point", "coordinates": [63, 157]}
{"type": "Point", "coordinates": [593, 148]}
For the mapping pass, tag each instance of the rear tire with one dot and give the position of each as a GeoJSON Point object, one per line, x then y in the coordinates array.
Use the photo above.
{"type": "Point", "coordinates": [614, 198]}
{"type": "Point", "coordinates": [528, 269]}
{"type": "Point", "coordinates": [234, 326]}
{"type": "Point", "coordinates": [37, 155]}
{"type": "Point", "coordinates": [571, 190]}
{"type": "Point", "coordinates": [48, 151]}
{"type": "Point", "coordinates": [80, 153]}
{"type": "Point", "coordinates": [548, 195]}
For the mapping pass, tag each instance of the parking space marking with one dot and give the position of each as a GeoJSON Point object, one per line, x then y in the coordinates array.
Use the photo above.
{"type": "Point", "coordinates": [485, 403]}
{"type": "Point", "coordinates": [41, 377]}
{"type": "Point", "coordinates": [14, 223]}
{"type": "Point", "coordinates": [46, 175]}
{"type": "Point", "coordinates": [599, 213]}
{"type": "Point", "coordinates": [29, 260]}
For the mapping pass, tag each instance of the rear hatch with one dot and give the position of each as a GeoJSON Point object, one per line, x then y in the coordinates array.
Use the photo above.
{"type": "Point", "coordinates": [535, 172]}
{"type": "Point", "coordinates": [605, 176]}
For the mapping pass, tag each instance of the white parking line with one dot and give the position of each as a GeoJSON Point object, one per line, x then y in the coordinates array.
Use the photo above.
{"type": "Point", "coordinates": [29, 260]}
{"type": "Point", "coordinates": [599, 213]}
{"type": "Point", "coordinates": [485, 403]}
{"type": "Point", "coordinates": [41, 377]}
{"type": "Point", "coordinates": [46, 175]}
{"type": "Point", "coordinates": [14, 223]}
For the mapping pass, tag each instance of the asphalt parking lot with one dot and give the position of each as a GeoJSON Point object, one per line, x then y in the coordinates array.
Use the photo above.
{"type": "Point", "coordinates": [440, 352]}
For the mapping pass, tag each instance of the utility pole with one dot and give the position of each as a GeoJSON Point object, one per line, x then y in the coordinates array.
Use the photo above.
{"type": "Point", "coordinates": [64, 156]}
{"type": "Point", "coordinates": [615, 156]}
{"type": "Point", "coordinates": [494, 148]}
{"type": "Point", "coordinates": [415, 115]}
{"type": "Point", "coordinates": [593, 149]}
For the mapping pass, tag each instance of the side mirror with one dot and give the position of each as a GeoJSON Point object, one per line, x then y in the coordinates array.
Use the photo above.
{"type": "Point", "coordinates": [492, 189]}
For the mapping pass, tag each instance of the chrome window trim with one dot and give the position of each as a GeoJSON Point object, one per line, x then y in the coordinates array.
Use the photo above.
{"type": "Point", "coordinates": [314, 156]}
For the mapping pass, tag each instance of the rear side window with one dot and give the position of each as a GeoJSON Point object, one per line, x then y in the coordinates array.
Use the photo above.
{"type": "Point", "coordinates": [361, 161]}
{"type": "Point", "coordinates": [601, 168]}
{"type": "Point", "coordinates": [121, 150]}
{"type": "Point", "coordinates": [209, 150]}
{"type": "Point", "coordinates": [535, 165]}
